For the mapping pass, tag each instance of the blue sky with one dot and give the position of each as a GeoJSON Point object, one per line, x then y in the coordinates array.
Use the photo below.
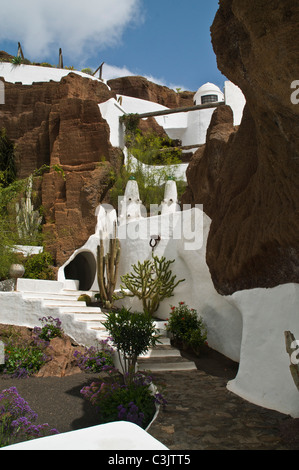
{"type": "Point", "coordinates": [167, 41]}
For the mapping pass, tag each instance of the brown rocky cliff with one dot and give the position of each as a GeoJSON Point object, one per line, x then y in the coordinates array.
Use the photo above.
{"type": "Point", "coordinates": [252, 193]}
{"type": "Point", "coordinates": [59, 123]}
{"type": "Point", "coordinates": [140, 87]}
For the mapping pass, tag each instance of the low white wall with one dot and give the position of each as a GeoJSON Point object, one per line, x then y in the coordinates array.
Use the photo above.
{"type": "Point", "coordinates": [28, 74]}
{"type": "Point", "coordinates": [264, 377]}
{"type": "Point", "coordinates": [16, 310]}
{"type": "Point", "coordinates": [119, 435]}
{"type": "Point", "coordinates": [178, 243]}
{"type": "Point", "coordinates": [235, 99]}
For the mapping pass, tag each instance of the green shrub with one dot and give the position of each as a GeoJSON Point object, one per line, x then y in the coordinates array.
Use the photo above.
{"type": "Point", "coordinates": [84, 298]}
{"type": "Point", "coordinates": [186, 327]}
{"type": "Point", "coordinates": [23, 360]}
{"type": "Point", "coordinates": [39, 266]}
{"type": "Point", "coordinates": [87, 70]}
{"type": "Point", "coordinates": [16, 60]}
{"type": "Point", "coordinates": [132, 334]}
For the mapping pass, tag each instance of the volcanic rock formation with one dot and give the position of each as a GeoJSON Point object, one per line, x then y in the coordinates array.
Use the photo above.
{"type": "Point", "coordinates": [59, 124]}
{"type": "Point", "coordinates": [248, 180]}
{"type": "Point", "coordinates": [140, 87]}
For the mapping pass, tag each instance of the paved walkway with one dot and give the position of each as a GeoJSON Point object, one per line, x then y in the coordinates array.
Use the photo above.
{"type": "Point", "coordinates": [203, 415]}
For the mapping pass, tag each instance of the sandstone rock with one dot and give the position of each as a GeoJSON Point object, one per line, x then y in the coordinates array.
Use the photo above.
{"type": "Point", "coordinates": [62, 362]}
{"type": "Point", "coordinates": [59, 123]}
{"type": "Point", "coordinates": [249, 183]}
{"type": "Point", "coordinates": [140, 87]}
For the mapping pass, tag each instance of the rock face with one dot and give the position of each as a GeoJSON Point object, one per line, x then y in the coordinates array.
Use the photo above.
{"type": "Point", "coordinates": [140, 87]}
{"type": "Point", "coordinates": [248, 179]}
{"type": "Point", "coordinates": [60, 124]}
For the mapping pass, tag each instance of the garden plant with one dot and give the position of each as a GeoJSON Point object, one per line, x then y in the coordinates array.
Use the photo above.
{"type": "Point", "coordinates": [133, 333]}
{"type": "Point", "coordinates": [133, 401]}
{"type": "Point", "coordinates": [17, 419]}
{"type": "Point", "coordinates": [96, 359]}
{"type": "Point", "coordinates": [186, 328]}
{"type": "Point", "coordinates": [151, 281]}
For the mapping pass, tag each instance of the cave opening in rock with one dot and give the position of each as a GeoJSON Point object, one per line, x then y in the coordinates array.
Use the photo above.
{"type": "Point", "coordinates": [82, 268]}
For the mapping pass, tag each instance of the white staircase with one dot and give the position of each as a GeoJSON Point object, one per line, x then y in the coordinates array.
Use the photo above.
{"type": "Point", "coordinates": [84, 323]}
{"type": "Point", "coordinates": [163, 357]}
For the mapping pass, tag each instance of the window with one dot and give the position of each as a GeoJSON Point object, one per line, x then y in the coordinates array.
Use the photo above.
{"type": "Point", "coordinates": [209, 99]}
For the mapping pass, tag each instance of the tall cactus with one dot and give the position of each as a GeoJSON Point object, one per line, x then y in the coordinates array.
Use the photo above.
{"type": "Point", "coordinates": [108, 268]}
{"type": "Point", "coordinates": [151, 281]}
{"type": "Point", "coordinates": [28, 219]}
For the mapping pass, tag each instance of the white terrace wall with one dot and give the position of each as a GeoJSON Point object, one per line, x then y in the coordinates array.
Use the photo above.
{"type": "Point", "coordinates": [247, 326]}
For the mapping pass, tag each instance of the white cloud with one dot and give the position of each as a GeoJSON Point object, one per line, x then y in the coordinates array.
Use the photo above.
{"type": "Point", "coordinates": [112, 71]}
{"type": "Point", "coordinates": [76, 26]}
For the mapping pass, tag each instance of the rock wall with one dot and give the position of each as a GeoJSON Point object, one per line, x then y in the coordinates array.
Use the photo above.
{"type": "Point", "coordinates": [140, 87]}
{"type": "Point", "coordinates": [248, 179]}
{"type": "Point", "coordinates": [59, 123]}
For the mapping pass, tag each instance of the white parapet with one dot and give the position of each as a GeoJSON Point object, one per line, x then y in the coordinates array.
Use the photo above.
{"type": "Point", "coordinates": [119, 435]}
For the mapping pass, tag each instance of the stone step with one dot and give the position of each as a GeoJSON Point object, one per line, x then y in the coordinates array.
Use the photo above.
{"type": "Point", "coordinates": [50, 296]}
{"type": "Point", "coordinates": [166, 366]}
{"type": "Point", "coordinates": [89, 316]}
{"type": "Point", "coordinates": [162, 359]}
{"type": "Point", "coordinates": [64, 303]}
{"type": "Point", "coordinates": [160, 353]}
{"type": "Point", "coordinates": [81, 309]}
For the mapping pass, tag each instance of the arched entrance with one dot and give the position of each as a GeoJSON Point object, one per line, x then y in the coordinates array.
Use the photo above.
{"type": "Point", "coordinates": [82, 268]}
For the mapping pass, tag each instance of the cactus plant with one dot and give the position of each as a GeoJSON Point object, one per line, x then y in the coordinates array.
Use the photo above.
{"type": "Point", "coordinates": [150, 281]}
{"type": "Point", "coordinates": [28, 219]}
{"type": "Point", "coordinates": [107, 265]}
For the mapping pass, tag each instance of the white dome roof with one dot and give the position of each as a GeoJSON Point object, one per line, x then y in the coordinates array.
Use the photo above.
{"type": "Point", "coordinates": [208, 87]}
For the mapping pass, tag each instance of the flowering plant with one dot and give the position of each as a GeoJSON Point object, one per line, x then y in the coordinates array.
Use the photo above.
{"type": "Point", "coordinates": [131, 401]}
{"type": "Point", "coordinates": [185, 326]}
{"type": "Point", "coordinates": [51, 328]}
{"type": "Point", "coordinates": [95, 359]}
{"type": "Point", "coordinates": [16, 419]}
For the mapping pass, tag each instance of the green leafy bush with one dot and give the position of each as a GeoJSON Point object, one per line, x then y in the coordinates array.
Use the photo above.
{"type": "Point", "coordinates": [84, 298]}
{"type": "Point", "coordinates": [132, 334]}
{"type": "Point", "coordinates": [186, 327]}
{"type": "Point", "coordinates": [23, 360]}
{"type": "Point", "coordinates": [39, 266]}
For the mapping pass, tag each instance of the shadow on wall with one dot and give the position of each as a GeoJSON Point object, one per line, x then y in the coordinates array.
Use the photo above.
{"type": "Point", "coordinates": [83, 268]}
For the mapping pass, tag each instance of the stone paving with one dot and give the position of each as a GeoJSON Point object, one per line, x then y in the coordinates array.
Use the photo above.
{"type": "Point", "coordinates": [202, 414]}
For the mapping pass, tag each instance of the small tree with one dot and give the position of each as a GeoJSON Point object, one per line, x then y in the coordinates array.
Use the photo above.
{"type": "Point", "coordinates": [132, 334]}
{"type": "Point", "coordinates": [151, 281]}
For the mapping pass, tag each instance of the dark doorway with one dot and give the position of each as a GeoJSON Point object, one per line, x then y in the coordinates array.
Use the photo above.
{"type": "Point", "coordinates": [83, 268]}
